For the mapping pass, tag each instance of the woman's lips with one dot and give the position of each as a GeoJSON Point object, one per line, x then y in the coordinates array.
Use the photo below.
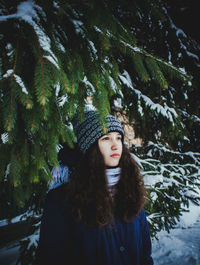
{"type": "Point", "coordinates": [115, 155]}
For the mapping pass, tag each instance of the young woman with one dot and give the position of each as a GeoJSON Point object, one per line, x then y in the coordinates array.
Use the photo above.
{"type": "Point", "coordinates": [97, 218]}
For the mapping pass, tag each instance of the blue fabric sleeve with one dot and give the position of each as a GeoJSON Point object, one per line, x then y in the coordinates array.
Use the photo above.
{"type": "Point", "coordinates": [60, 175]}
{"type": "Point", "coordinates": [146, 241]}
{"type": "Point", "coordinates": [54, 241]}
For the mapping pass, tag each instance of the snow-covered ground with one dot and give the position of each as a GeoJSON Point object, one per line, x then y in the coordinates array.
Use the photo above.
{"type": "Point", "coordinates": [182, 245]}
{"type": "Point", "coordinates": [179, 247]}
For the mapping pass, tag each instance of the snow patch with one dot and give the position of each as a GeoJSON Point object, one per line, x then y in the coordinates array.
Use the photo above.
{"type": "Point", "coordinates": [18, 218]}
{"type": "Point", "coordinates": [94, 50]}
{"type": "Point", "coordinates": [113, 84]}
{"type": "Point", "coordinates": [57, 88]}
{"type": "Point", "coordinates": [180, 32]}
{"type": "Point", "coordinates": [98, 29]}
{"type": "Point", "coordinates": [78, 26]}
{"type": "Point", "coordinates": [136, 49]}
{"type": "Point", "coordinates": [151, 180]}
{"type": "Point", "coordinates": [25, 11]}
{"type": "Point", "coordinates": [189, 217]}
{"type": "Point", "coordinates": [192, 55]}
{"type": "Point", "coordinates": [52, 60]}
{"type": "Point", "coordinates": [89, 84]}
{"type": "Point", "coordinates": [4, 138]}
{"type": "Point", "coordinates": [21, 83]}
{"type": "Point", "coordinates": [118, 103]}
{"type": "Point", "coordinates": [8, 73]}
{"type": "Point", "coordinates": [17, 78]}
{"type": "Point", "coordinates": [62, 100]}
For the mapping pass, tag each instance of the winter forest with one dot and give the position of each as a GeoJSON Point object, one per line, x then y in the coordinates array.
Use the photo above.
{"type": "Point", "coordinates": [139, 58]}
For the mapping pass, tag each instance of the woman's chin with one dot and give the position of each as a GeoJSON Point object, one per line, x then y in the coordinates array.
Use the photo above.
{"type": "Point", "coordinates": [113, 164]}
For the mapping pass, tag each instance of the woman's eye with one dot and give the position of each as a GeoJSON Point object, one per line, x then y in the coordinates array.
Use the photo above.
{"type": "Point", "coordinates": [105, 138]}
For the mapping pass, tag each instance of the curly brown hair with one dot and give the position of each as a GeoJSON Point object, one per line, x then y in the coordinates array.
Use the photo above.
{"type": "Point", "coordinates": [88, 194]}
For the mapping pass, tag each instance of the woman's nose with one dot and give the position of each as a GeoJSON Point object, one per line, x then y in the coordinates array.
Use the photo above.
{"type": "Point", "coordinates": [114, 144]}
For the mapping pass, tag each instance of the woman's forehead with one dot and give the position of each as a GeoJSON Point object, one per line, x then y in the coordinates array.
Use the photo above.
{"type": "Point", "coordinates": [110, 133]}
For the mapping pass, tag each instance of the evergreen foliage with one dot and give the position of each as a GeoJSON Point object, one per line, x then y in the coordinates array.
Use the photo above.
{"type": "Point", "coordinates": [172, 178]}
{"type": "Point", "coordinates": [169, 118]}
{"type": "Point", "coordinates": [54, 54]}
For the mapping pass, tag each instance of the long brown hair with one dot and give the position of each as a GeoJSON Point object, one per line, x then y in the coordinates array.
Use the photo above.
{"type": "Point", "coordinates": [88, 194]}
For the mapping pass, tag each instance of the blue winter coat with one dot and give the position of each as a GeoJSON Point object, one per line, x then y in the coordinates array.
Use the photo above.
{"type": "Point", "coordinates": [63, 240]}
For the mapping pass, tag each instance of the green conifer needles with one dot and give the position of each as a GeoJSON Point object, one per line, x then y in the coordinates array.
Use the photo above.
{"type": "Point", "coordinates": [53, 56]}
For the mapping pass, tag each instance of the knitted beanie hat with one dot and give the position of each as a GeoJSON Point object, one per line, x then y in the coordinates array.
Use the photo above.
{"type": "Point", "coordinates": [91, 129]}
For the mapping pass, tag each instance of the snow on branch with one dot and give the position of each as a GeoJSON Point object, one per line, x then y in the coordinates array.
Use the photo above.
{"type": "Point", "coordinates": [51, 60]}
{"type": "Point", "coordinates": [89, 84]}
{"type": "Point", "coordinates": [26, 11]}
{"type": "Point", "coordinates": [17, 78]}
{"type": "Point", "coordinates": [165, 111]}
{"type": "Point", "coordinates": [78, 26]}
{"type": "Point", "coordinates": [4, 138]}
{"type": "Point", "coordinates": [193, 155]}
{"type": "Point", "coordinates": [168, 64]}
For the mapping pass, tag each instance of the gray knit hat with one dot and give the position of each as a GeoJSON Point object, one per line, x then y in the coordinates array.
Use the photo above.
{"type": "Point", "coordinates": [91, 129]}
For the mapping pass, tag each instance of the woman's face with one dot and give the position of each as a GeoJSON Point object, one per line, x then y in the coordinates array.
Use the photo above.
{"type": "Point", "coordinates": [110, 146]}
